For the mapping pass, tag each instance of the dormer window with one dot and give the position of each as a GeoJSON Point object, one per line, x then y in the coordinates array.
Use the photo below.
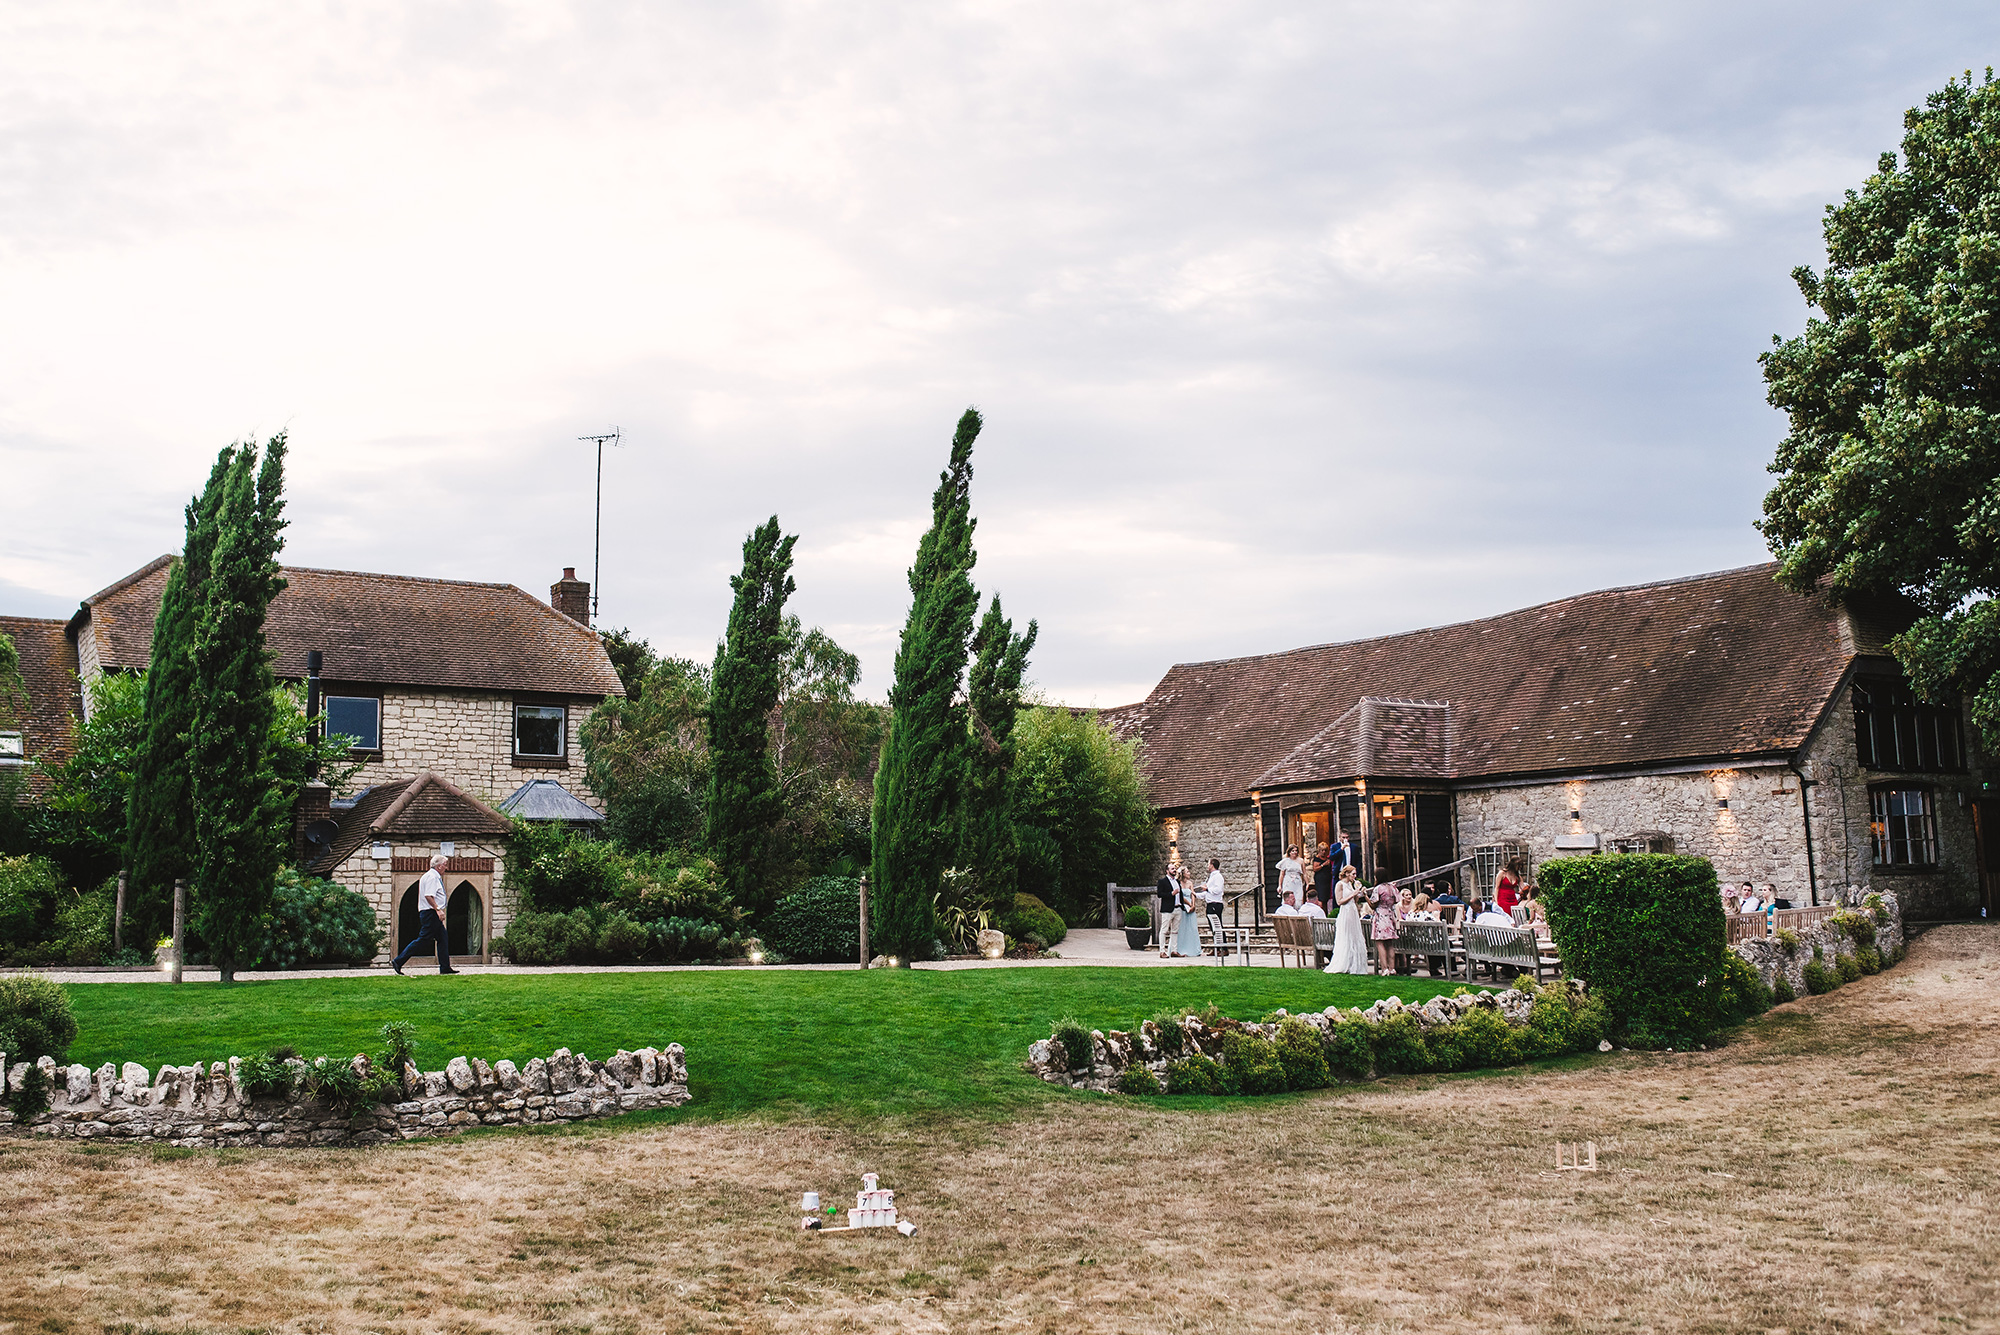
{"type": "Point", "coordinates": [539, 731]}
{"type": "Point", "coordinates": [358, 717]}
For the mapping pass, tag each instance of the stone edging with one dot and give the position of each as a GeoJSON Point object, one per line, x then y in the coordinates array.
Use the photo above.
{"type": "Point", "coordinates": [205, 1106]}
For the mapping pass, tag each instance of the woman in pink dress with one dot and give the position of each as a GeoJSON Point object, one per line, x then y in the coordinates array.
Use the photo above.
{"type": "Point", "coordinates": [1385, 931]}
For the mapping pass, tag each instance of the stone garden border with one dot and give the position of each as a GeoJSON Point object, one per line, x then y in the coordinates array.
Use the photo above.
{"type": "Point", "coordinates": [205, 1106]}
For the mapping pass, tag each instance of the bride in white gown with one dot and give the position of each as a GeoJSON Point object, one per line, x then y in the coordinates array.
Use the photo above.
{"type": "Point", "coordinates": [1350, 948]}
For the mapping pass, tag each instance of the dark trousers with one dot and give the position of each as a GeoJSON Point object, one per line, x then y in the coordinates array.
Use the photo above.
{"type": "Point", "coordinates": [430, 928]}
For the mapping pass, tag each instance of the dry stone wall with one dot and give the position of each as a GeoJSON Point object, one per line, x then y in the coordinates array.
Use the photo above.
{"type": "Point", "coordinates": [1774, 958]}
{"type": "Point", "coordinates": [207, 1106]}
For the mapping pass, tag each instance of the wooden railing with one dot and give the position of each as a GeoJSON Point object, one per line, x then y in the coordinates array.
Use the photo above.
{"type": "Point", "coordinates": [1800, 919]}
{"type": "Point", "coordinates": [1745, 926]}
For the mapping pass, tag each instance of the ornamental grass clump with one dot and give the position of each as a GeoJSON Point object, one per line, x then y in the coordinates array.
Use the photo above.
{"type": "Point", "coordinates": [1168, 1035]}
{"type": "Point", "coordinates": [1075, 1042]}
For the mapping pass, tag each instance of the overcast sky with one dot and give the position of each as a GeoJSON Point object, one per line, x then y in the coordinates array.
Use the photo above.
{"type": "Point", "coordinates": [1290, 323]}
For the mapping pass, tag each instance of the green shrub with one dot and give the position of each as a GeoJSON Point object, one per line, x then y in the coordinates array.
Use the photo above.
{"type": "Point", "coordinates": [314, 924]}
{"type": "Point", "coordinates": [1551, 1025]}
{"type": "Point", "coordinates": [1788, 940]}
{"type": "Point", "coordinates": [1590, 1024]}
{"type": "Point", "coordinates": [1138, 915]}
{"type": "Point", "coordinates": [30, 888]}
{"type": "Point", "coordinates": [1743, 992]}
{"type": "Point", "coordinates": [1400, 1046]}
{"type": "Point", "coordinates": [83, 924]}
{"type": "Point", "coordinates": [1168, 1035]}
{"type": "Point", "coordinates": [31, 1100]}
{"type": "Point", "coordinates": [1858, 927]}
{"type": "Point", "coordinates": [1136, 1079]}
{"type": "Point", "coordinates": [1253, 1061]}
{"type": "Point", "coordinates": [1302, 1055]}
{"type": "Point", "coordinates": [1819, 978]}
{"type": "Point", "coordinates": [1869, 958]}
{"type": "Point", "coordinates": [345, 1090]}
{"type": "Point", "coordinates": [1781, 991]}
{"type": "Point", "coordinates": [1485, 1039]}
{"type": "Point", "coordinates": [1350, 1047]}
{"type": "Point", "coordinates": [1078, 1051]}
{"type": "Point", "coordinates": [270, 1076]}
{"type": "Point", "coordinates": [601, 935]}
{"type": "Point", "coordinates": [399, 1048]}
{"type": "Point", "coordinates": [1030, 917]}
{"type": "Point", "coordinates": [1645, 931]}
{"type": "Point", "coordinates": [1196, 1074]}
{"type": "Point", "coordinates": [1446, 1045]}
{"type": "Point", "coordinates": [621, 940]}
{"type": "Point", "coordinates": [534, 937]}
{"type": "Point", "coordinates": [1848, 968]}
{"type": "Point", "coordinates": [35, 1019]}
{"type": "Point", "coordinates": [819, 923]}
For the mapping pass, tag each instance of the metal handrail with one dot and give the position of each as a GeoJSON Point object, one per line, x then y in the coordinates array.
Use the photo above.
{"type": "Point", "coordinates": [1414, 877]}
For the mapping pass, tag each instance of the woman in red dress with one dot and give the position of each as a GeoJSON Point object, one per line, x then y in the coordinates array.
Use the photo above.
{"type": "Point", "coordinates": [1507, 890]}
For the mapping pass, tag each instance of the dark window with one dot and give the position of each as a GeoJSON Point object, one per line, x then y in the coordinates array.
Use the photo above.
{"type": "Point", "coordinates": [538, 730]}
{"type": "Point", "coordinates": [1643, 843]}
{"type": "Point", "coordinates": [1902, 826]}
{"type": "Point", "coordinates": [1893, 730]}
{"type": "Point", "coordinates": [358, 717]}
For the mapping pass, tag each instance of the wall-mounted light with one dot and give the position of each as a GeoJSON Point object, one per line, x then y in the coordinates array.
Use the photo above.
{"type": "Point", "coordinates": [378, 850]}
{"type": "Point", "coordinates": [1576, 815]}
{"type": "Point", "coordinates": [1722, 804]}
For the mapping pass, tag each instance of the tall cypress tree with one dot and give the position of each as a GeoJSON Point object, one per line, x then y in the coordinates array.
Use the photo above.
{"type": "Point", "coordinates": [160, 816]}
{"type": "Point", "coordinates": [239, 806]}
{"type": "Point", "coordinates": [990, 850]}
{"type": "Point", "coordinates": [918, 786]}
{"type": "Point", "coordinates": [743, 798]}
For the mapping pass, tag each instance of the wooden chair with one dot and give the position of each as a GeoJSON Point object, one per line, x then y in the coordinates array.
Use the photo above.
{"type": "Point", "coordinates": [1294, 937]}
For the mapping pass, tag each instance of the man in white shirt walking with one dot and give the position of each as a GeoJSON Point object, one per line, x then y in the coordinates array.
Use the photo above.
{"type": "Point", "coordinates": [430, 917]}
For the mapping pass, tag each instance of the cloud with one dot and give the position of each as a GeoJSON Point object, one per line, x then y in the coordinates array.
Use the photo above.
{"type": "Point", "coordinates": [1290, 324]}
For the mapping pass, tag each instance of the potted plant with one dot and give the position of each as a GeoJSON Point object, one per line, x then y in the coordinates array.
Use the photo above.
{"type": "Point", "coordinates": [1138, 926]}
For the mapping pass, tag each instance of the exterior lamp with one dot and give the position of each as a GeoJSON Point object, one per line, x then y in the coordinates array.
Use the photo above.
{"type": "Point", "coordinates": [892, 961]}
{"type": "Point", "coordinates": [1576, 815]}
{"type": "Point", "coordinates": [756, 957]}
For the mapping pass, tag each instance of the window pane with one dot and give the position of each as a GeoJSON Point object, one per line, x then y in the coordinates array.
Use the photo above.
{"type": "Point", "coordinates": [11, 747]}
{"type": "Point", "coordinates": [538, 730]}
{"type": "Point", "coordinates": [359, 717]}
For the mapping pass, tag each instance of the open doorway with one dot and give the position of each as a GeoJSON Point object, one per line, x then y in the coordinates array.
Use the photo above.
{"type": "Point", "coordinates": [467, 919]}
{"type": "Point", "coordinates": [1390, 850]}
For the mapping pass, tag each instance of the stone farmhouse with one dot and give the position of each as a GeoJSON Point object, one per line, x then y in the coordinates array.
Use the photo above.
{"type": "Point", "coordinates": [465, 702]}
{"type": "Point", "coordinates": [1717, 715]}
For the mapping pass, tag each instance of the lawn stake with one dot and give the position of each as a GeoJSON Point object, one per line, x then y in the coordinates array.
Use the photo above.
{"type": "Point", "coordinates": [1582, 1157]}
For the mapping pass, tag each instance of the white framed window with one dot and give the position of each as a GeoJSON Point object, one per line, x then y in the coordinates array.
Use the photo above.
{"type": "Point", "coordinates": [539, 731]}
{"type": "Point", "coordinates": [1902, 826]}
{"type": "Point", "coordinates": [1649, 842]}
{"type": "Point", "coordinates": [358, 717]}
{"type": "Point", "coordinates": [13, 746]}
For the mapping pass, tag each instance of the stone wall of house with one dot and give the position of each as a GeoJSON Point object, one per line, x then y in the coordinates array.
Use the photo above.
{"type": "Point", "coordinates": [373, 877]}
{"type": "Point", "coordinates": [1842, 846]}
{"type": "Point", "coordinates": [1232, 838]}
{"type": "Point", "coordinates": [89, 665]}
{"type": "Point", "coordinates": [468, 737]}
{"type": "Point", "coordinates": [206, 1106]}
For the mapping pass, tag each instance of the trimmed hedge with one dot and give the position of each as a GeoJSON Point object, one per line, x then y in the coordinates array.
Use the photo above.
{"type": "Point", "coordinates": [1030, 917]}
{"type": "Point", "coordinates": [1645, 932]}
{"type": "Point", "coordinates": [819, 923]}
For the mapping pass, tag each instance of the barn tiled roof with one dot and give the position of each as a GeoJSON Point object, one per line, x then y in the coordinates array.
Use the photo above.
{"type": "Point", "coordinates": [386, 630]}
{"type": "Point", "coordinates": [426, 806]}
{"type": "Point", "coordinates": [1727, 665]}
{"type": "Point", "coordinates": [48, 674]}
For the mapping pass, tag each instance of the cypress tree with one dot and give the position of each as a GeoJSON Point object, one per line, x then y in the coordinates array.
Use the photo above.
{"type": "Point", "coordinates": [990, 850]}
{"type": "Point", "coordinates": [743, 799]}
{"type": "Point", "coordinates": [160, 817]}
{"type": "Point", "coordinates": [239, 806]}
{"type": "Point", "coordinates": [919, 784]}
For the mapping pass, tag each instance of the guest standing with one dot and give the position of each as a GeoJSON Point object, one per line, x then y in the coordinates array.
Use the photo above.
{"type": "Point", "coordinates": [1291, 874]}
{"type": "Point", "coordinates": [1385, 932]}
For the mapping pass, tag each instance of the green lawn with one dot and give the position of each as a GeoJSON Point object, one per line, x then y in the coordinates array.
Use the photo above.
{"type": "Point", "coordinates": [847, 1044]}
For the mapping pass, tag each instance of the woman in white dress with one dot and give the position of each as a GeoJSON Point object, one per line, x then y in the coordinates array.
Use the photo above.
{"type": "Point", "coordinates": [1350, 949]}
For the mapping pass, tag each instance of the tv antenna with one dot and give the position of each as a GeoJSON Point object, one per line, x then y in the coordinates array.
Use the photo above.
{"type": "Point", "coordinates": [597, 533]}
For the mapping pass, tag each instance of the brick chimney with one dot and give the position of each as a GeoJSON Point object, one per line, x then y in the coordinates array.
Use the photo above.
{"type": "Point", "coordinates": [571, 596]}
{"type": "Point", "coordinates": [315, 803]}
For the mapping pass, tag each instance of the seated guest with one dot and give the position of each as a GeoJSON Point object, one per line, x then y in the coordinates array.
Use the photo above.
{"type": "Point", "coordinates": [1421, 910]}
{"type": "Point", "coordinates": [1749, 903]}
{"type": "Point", "coordinates": [1491, 915]}
{"type": "Point", "coordinates": [1538, 919]}
{"type": "Point", "coordinates": [1288, 909]}
{"type": "Point", "coordinates": [1312, 908]}
{"type": "Point", "coordinates": [1446, 895]}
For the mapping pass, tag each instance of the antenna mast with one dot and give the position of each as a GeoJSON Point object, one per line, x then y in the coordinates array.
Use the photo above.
{"type": "Point", "coordinates": [597, 532]}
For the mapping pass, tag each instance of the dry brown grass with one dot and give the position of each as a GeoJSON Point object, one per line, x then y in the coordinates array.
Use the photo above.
{"type": "Point", "coordinates": [1830, 1170]}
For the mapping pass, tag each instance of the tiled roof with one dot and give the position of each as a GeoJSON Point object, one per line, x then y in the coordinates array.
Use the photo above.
{"type": "Point", "coordinates": [425, 806]}
{"type": "Point", "coordinates": [385, 630]}
{"type": "Point", "coordinates": [545, 799]}
{"type": "Point", "coordinates": [1710, 667]}
{"type": "Point", "coordinates": [48, 673]}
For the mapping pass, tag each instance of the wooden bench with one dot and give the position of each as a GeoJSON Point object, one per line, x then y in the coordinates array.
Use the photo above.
{"type": "Point", "coordinates": [1426, 941]}
{"type": "Point", "coordinates": [1294, 935]}
{"type": "Point", "coordinates": [1506, 947]}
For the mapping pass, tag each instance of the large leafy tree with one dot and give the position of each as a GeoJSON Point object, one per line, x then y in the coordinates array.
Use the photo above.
{"type": "Point", "coordinates": [919, 783]}
{"type": "Point", "coordinates": [991, 851]}
{"type": "Point", "coordinates": [160, 817]}
{"type": "Point", "coordinates": [1889, 478]}
{"type": "Point", "coordinates": [1083, 811]}
{"type": "Point", "coordinates": [240, 809]}
{"type": "Point", "coordinates": [646, 755]}
{"type": "Point", "coordinates": [743, 799]}
{"type": "Point", "coordinates": [824, 745]}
